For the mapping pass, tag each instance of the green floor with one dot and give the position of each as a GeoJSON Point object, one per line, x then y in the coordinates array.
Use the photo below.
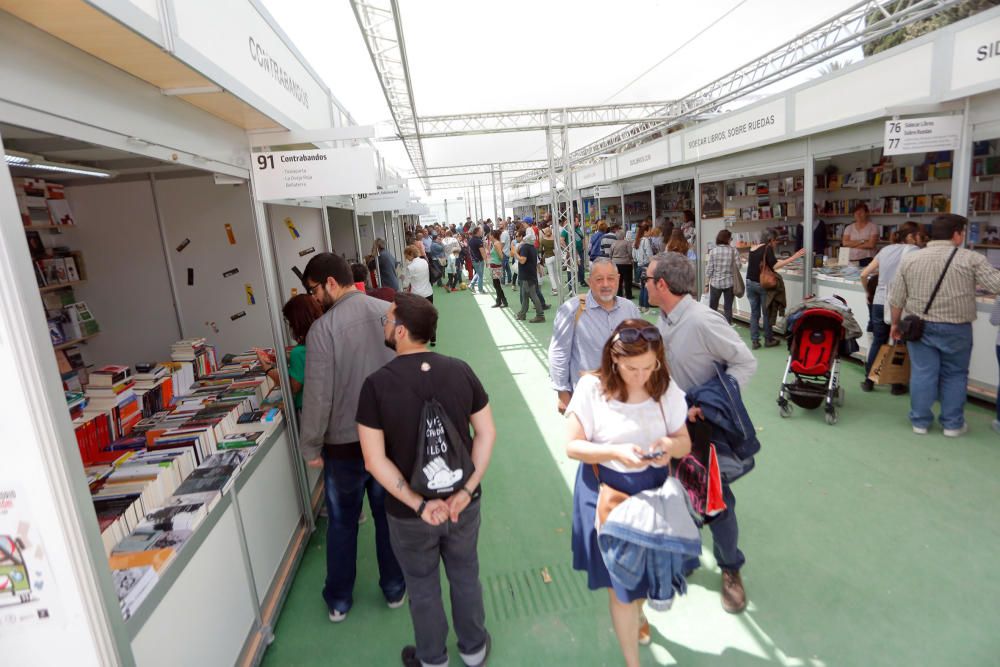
{"type": "Point", "coordinates": [866, 545]}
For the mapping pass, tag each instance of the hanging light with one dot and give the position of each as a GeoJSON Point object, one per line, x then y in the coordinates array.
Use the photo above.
{"type": "Point", "coordinates": [29, 161]}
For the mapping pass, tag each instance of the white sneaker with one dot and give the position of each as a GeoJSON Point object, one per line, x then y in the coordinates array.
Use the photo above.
{"type": "Point", "coordinates": [955, 432]}
{"type": "Point", "coordinates": [920, 430]}
{"type": "Point", "coordinates": [337, 616]}
{"type": "Point", "coordinates": [398, 603]}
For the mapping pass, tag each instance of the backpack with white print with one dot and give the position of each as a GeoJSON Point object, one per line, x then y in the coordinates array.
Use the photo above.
{"type": "Point", "coordinates": [443, 465]}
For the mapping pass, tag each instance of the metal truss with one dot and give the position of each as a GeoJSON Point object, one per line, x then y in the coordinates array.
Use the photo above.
{"type": "Point", "coordinates": [860, 24]}
{"type": "Point", "coordinates": [457, 125]}
{"type": "Point", "coordinates": [561, 196]}
{"type": "Point", "coordinates": [485, 168]}
{"type": "Point", "coordinates": [382, 30]}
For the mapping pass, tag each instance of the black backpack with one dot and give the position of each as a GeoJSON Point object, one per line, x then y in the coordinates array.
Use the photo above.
{"type": "Point", "coordinates": [443, 465]}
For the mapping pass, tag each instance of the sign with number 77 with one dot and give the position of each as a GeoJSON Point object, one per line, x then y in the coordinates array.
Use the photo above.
{"type": "Point", "coordinates": [922, 135]}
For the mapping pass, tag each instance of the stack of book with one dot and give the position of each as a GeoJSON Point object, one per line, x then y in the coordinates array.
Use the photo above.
{"type": "Point", "coordinates": [132, 586]}
{"type": "Point", "coordinates": [197, 351]}
{"type": "Point", "coordinates": [154, 387]}
{"type": "Point", "coordinates": [111, 389]}
{"type": "Point", "coordinates": [31, 202]}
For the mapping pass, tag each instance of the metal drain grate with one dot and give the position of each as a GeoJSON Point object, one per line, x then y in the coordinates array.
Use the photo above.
{"type": "Point", "coordinates": [524, 594]}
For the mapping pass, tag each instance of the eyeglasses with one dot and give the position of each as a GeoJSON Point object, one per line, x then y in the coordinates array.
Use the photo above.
{"type": "Point", "coordinates": [631, 335]}
{"type": "Point", "coordinates": [653, 278]}
{"type": "Point", "coordinates": [311, 291]}
{"type": "Point", "coordinates": [386, 319]}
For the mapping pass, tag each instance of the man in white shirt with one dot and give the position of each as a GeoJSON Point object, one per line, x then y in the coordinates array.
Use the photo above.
{"type": "Point", "coordinates": [505, 242]}
{"type": "Point", "coordinates": [695, 337]}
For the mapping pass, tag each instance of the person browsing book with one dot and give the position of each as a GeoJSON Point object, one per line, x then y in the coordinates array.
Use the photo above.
{"type": "Point", "coordinates": [404, 455]}
{"type": "Point", "coordinates": [300, 312]}
{"type": "Point", "coordinates": [343, 347]}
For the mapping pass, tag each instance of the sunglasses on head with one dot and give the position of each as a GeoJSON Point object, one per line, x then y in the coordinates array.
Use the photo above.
{"type": "Point", "coordinates": [631, 335]}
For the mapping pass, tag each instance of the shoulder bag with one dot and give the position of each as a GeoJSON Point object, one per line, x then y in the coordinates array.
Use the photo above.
{"type": "Point", "coordinates": [739, 287]}
{"type": "Point", "coordinates": [911, 327]}
{"type": "Point", "coordinates": [768, 278]}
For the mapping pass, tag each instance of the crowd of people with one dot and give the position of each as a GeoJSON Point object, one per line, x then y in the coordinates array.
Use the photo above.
{"type": "Point", "coordinates": [413, 430]}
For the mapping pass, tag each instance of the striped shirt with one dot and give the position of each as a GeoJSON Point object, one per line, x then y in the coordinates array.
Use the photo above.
{"type": "Point", "coordinates": [719, 268]}
{"type": "Point", "coordinates": [955, 302]}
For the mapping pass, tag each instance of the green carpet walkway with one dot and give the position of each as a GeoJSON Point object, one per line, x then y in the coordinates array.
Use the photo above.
{"type": "Point", "coordinates": [866, 545]}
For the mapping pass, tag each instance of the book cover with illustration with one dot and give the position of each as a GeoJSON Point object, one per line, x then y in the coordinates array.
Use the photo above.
{"type": "Point", "coordinates": [28, 594]}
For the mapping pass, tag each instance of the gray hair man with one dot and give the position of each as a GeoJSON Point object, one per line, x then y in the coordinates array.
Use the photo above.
{"type": "Point", "coordinates": [583, 326]}
{"type": "Point", "coordinates": [695, 337]}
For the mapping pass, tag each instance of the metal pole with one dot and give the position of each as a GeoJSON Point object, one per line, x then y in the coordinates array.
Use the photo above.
{"type": "Point", "coordinates": [446, 220]}
{"type": "Point", "coordinates": [357, 231]}
{"type": "Point", "coordinates": [272, 292]}
{"type": "Point", "coordinates": [171, 278]}
{"type": "Point", "coordinates": [327, 238]}
{"type": "Point", "coordinates": [493, 182]}
{"type": "Point", "coordinates": [808, 197]}
{"type": "Point", "coordinates": [697, 235]}
{"type": "Point", "coordinates": [557, 266]}
{"type": "Point", "coordinates": [962, 162]}
{"type": "Point", "coordinates": [503, 204]}
{"type": "Point", "coordinates": [652, 202]}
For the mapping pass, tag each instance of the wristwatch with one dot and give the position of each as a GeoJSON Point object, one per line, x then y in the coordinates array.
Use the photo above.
{"type": "Point", "coordinates": [420, 508]}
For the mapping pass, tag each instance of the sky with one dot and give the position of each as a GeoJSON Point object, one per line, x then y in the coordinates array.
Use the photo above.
{"type": "Point", "coordinates": [469, 56]}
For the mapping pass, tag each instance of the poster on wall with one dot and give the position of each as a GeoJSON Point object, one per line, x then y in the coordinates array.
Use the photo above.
{"type": "Point", "coordinates": [27, 591]}
{"type": "Point", "coordinates": [711, 200]}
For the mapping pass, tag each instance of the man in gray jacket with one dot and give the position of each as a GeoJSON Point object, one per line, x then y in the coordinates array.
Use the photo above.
{"type": "Point", "coordinates": [344, 347]}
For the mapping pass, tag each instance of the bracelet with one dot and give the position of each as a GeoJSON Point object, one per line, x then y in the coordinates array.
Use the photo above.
{"type": "Point", "coordinates": [420, 509]}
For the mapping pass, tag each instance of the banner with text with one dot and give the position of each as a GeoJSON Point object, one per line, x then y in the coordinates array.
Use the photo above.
{"type": "Point", "coordinates": [922, 135]}
{"type": "Point", "coordinates": [392, 199]}
{"type": "Point", "coordinates": [736, 130]}
{"type": "Point", "coordinates": [315, 173]}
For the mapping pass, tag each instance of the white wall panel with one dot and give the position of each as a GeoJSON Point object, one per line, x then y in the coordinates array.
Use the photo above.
{"type": "Point", "coordinates": [896, 80]}
{"type": "Point", "coordinates": [342, 233]}
{"type": "Point", "coordinates": [308, 222]}
{"type": "Point", "coordinates": [127, 286]}
{"type": "Point", "coordinates": [197, 209]}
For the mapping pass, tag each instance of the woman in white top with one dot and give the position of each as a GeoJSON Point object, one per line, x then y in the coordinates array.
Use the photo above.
{"type": "Point", "coordinates": [625, 421]}
{"type": "Point", "coordinates": [417, 277]}
{"type": "Point", "coordinates": [885, 265]}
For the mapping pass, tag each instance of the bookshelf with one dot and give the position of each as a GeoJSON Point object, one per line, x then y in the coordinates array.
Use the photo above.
{"type": "Point", "coordinates": [75, 341]}
{"type": "Point", "coordinates": [61, 286]}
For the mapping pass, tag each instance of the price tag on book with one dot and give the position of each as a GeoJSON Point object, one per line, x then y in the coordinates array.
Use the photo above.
{"type": "Point", "coordinates": [313, 173]}
{"type": "Point", "coordinates": [922, 135]}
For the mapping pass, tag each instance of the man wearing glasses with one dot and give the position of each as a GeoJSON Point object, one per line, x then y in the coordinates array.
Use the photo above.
{"type": "Point", "coordinates": [695, 338]}
{"type": "Point", "coordinates": [343, 348]}
{"type": "Point", "coordinates": [582, 327]}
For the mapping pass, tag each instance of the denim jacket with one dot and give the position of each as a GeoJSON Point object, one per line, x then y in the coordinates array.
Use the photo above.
{"type": "Point", "coordinates": [650, 536]}
{"type": "Point", "coordinates": [733, 434]}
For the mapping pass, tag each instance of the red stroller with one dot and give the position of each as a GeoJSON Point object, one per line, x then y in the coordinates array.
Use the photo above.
{"type": "Point", "coordinates": [814, 360]}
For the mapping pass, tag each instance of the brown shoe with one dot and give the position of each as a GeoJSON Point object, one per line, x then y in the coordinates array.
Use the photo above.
{"type": "Point", "coordinates": [734, 598]}
{"type": "Point", "coordinates": [645, 637]}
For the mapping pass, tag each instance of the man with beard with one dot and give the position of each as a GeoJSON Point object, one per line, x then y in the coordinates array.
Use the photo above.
{"type": "Point", "coordinates": [343, 347]}
{"type": "Point", "coordinates": [582, 327]}
{"type": "Point", "coordinates": [426, 531]}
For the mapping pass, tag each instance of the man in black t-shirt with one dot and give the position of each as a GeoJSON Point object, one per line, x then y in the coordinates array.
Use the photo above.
{"type": "Point", "coordinates": [424, 531]}
{"type": "Point", "coordinates": [527, 273]}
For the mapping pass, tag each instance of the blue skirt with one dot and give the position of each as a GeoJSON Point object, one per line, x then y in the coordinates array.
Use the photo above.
{"type": "Point", "coordinates": [586, 554]}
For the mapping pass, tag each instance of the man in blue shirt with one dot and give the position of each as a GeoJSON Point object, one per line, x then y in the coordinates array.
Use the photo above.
{"type": "Point", "coordinates": [582, 329]}
{"type": "Point", "coordinates": [436, 254]}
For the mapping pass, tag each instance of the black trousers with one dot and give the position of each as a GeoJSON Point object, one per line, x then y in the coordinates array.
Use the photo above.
{"type": "Point", "coordinates": [624, 280]}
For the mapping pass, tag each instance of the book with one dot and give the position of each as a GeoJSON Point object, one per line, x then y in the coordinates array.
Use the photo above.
{"type": "Point", "coordinates": [132, 586]}
{"type": "Point", "coordinates": [72, 274]}
{"type": "Point", "coordinates": [59, 212]}
{"type": "Point", "coordinates": [108, 376]}
{"type": "Point", "coordinates": [240, 440]}
{"type": "Point", "coordinates": [81, 320]}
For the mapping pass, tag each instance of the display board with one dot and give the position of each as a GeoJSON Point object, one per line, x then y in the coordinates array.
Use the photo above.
{"type": "Point", "coordinates": [298, 237]}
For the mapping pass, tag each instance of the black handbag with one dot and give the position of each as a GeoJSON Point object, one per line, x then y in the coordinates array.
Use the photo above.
{"type": "Point", "coordinates": [911, 327]}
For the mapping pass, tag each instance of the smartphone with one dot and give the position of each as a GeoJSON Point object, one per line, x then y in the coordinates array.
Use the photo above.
{"type": "Point", "coordinates": [651, 456]}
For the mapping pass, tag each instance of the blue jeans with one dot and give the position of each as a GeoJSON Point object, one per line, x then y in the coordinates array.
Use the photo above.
{"type": "Point", "coordinates": [538, 291]}
{"type": "Point", "coordinates": [758, 308]}
{"type": "Point", "coordinates": [939, 370]}
{"type": "Point", "coordinates": [506, 269]}
{"type": "Point", "coordinates": [346, 482]}
{"type": "Point", "coordinates": [880, 336]}
{"type": "Point", "coordinates": [478, 267]}
{"type": "Point", "coordinates": [643, 293]}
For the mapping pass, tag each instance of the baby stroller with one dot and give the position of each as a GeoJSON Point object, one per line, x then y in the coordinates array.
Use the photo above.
{"type": "Point", "coordinates": [814, 360]}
